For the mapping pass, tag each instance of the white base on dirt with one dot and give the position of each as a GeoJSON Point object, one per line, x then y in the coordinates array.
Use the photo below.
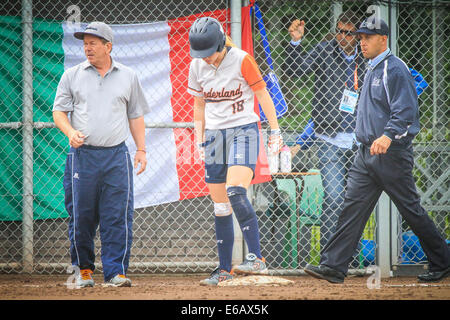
{"type": "Point", "coordinates": [255, 281]}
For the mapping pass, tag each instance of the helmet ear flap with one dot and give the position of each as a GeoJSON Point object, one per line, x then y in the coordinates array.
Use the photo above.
{"type": "Point", "coordinates": [222, 43]}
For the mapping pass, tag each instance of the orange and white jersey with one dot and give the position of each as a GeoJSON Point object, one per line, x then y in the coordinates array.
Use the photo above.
{"type": "Point", "coordinates": [228, 89]}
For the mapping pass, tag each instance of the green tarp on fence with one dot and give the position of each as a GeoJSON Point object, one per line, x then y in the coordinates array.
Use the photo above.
{"type": "Point", "coordinates": [49, 145]}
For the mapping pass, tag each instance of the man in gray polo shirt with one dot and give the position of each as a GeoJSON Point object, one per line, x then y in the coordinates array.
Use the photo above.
{"type": "Point", "coordinates": [98, 102]}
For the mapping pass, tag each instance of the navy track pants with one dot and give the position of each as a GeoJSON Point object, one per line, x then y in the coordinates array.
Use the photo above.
{"type": "Point", "coordinates": [98, 185]}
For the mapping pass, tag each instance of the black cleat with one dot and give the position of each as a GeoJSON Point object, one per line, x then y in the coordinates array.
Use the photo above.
{"type": "Point", "coordinates": [434, 276]}
{"type": "Point", "coordinates": [325, 273]}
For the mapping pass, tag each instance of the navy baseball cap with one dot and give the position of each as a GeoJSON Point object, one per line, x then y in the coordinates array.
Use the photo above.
{"type": "Point", "coordinates": [373, 25]}
{"type": "Point", "coordinates": [98, 29]}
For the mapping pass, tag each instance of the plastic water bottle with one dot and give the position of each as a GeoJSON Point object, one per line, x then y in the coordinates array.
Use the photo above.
{"type": "Point", "coordinates": [273, 159]}
{"type": "Point", "coordinates": [285, 159]}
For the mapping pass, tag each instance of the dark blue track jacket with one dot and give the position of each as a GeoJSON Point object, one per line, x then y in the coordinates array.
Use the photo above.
{"type": "Point", "coordinates": [388, 104]}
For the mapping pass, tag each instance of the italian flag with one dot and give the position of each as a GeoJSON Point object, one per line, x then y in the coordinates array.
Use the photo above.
{"type": "Point", "coordinates": [159, 53]}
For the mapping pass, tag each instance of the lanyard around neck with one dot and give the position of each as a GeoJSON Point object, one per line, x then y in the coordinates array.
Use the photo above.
{"type": "Point", "coordinates": [355, 78]}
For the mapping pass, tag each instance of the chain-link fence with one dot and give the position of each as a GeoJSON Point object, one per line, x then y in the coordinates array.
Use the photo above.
{"type": "Point", "coordinates": [173, 227]}
{"type": "Point", "coordinates": [422, 44]}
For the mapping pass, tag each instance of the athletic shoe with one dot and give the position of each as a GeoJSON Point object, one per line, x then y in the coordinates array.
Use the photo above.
{"type": "Point", "coordinates": [85, 278]}
{"type": "Point", "coordinates": [217, 276]}
{"type": "Point", "coordinates": [120, 281]}
{"type": "Point", "coordinates": [325, 273]}
{"type": "Point", "coordinates": [252, 265]}
{"type": "Point", "coordinates": [434, 276]}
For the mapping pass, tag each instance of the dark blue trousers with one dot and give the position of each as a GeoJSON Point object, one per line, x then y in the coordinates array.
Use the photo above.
{"type": "Point", "coordinates": [98, 185]}
{"type": "Point", "coordinates": [368, 177]}
{"type": "Point", "coordinates": [335, 163]}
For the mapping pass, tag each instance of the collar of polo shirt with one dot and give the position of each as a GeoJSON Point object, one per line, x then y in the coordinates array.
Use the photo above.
{"type": "Point", "coordinates": [114, 65]}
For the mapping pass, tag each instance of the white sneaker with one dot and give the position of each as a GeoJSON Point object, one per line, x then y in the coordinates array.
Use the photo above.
{"type": "Point", "coordinates": [120, 281]}
{"type": "Point", "coordinates": [252, 266]}
{"type": "Point", "coordinates": [85, 278]}
{"type": "Point", "coordinates": [217, 276]}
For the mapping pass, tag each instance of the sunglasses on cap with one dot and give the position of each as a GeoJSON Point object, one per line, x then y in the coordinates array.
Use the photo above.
{"type": "Point", "coordinates": [346, 32]}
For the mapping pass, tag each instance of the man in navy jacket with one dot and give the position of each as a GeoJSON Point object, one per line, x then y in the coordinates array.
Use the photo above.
{"type": "Point", "coordinates": [387, 121]}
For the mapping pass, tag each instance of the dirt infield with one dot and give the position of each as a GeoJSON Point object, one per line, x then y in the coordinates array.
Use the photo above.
{"type": "Point", "coordinates": [186, 287]}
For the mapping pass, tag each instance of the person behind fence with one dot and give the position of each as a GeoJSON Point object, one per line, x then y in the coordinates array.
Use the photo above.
{"type": "Point", "coordinates": [387, 121]}
{"type": "Point", "coordinates": [338, 66]}
{"type": "Point", "coordinates": [224, 81]}
{"type": "Point", "coordinates": [105, 102]}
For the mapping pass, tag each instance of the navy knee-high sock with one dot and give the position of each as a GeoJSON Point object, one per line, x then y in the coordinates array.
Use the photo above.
{"type": "Point", "coordinates": [246, 216]}
{"type": "Point", "coordinates": [225, 239]}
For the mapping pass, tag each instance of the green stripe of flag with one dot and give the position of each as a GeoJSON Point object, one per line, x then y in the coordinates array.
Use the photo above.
{"type": "Point", "coordinates": [49, 144]}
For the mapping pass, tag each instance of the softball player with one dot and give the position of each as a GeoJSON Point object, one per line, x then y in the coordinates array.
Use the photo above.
{"type": "Point", "coordinates": [224, 81]}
